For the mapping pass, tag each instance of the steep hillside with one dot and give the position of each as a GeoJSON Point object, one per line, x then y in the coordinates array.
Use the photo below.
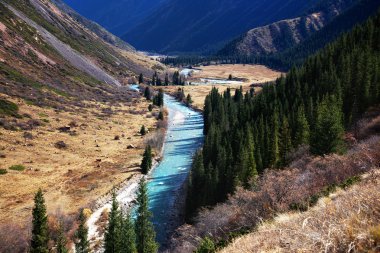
{"type": "Point", "coordinates": [343, 23]}
{"type": "Point", "coordinates": [300, 122]}
{"type": "Point", "coordinates": [284, 34]}
{"type": "Point", "coordinates": [68, 122]}
{"type": "Point", "coordinates": [184, 26]}
{"type": "Point", "coordinates": [350, 226]}
{"type": "Point", "coordinates": [117, 16]}
{"type": "Point", "coordinates": [37, 36]}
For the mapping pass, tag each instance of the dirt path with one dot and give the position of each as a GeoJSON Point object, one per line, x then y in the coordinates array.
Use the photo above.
{"type": "Point", "coordinates": [75, 58]}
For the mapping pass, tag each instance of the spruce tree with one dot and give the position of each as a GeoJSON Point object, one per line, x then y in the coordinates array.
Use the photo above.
{"type": "Point", "coordinates": [328, 134]}
{"type": "Point", "coordinates": [166, 79]}
{"type": "Point", "coordinates": [145, 234]}
{"type": "Point", "coordinates": [128, 237]}
{"type": "Point", "coordinates": [82, 244]}
{"type": "Point", "coordinates": [302, 135]}
{"type": "Point", "coordinates": [40, 234]}
{"type": "Point", "coordinates": [143, 130]}
{"type": "Point", "coordinates": [61, 240]}
{"type": "Point", "coordinates": [147, 93]}
{"type": "Point", "coordinates": [189, 100]}
{"type": "Point", "coordinates": [113, 233]}
{"type": "Point", "coordinates": [141, 78]}
{"type": "Point", "coordinates": [146, 163]}
{"type": "Point", "coordinates": [285, 142]}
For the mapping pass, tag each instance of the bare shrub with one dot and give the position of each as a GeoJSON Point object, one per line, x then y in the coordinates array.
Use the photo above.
{"type": "Point", "coordinates": [351, 225]}
{"type": "Point", "coordinates": [156, 139]}
{"type": "Point", "coordinates": [14, 239]}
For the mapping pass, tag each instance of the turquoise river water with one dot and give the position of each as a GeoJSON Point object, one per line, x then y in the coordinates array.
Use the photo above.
{"type": "Point", "coordinates": [184, 136]}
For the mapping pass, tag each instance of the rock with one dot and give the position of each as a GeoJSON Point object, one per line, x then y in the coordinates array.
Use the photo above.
{"type": "Point", "coordinates": [64, 129]}
{"type": "Point", "coordinates": [130, 146]}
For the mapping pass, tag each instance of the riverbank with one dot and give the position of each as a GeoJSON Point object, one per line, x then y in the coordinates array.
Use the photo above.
{"type": "Point", "coordinates": [167, 179]}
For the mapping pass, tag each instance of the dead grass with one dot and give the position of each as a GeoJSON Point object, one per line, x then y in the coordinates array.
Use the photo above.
{"type": "Point", "coordinates": [74, 177]}
{"type": "Point", "coordinates": [347, 221]}
{"type": "Point", "coordinates": [279, 191]}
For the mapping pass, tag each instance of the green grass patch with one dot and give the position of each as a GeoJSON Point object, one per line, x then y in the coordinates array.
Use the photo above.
{"type": "Point", "coordinates": [17, 167]}
{"type": "Point", "coordinates": [3, 171]}
{"type": "Point", "coordinates": [8, 108]}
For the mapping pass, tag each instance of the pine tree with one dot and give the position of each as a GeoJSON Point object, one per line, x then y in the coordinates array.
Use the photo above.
{"type": "Point", "coordinates": [128, 240]}
{"type": "Point", "coordinates": [160, 116]}
{"type": "Point", "coordinates": [206, 246]}
{"type": "Point", "coordinates": [285, 142]}
{"type": "Point", "coordinates": [189, 101]}
{"type": "Point", "coordinates": [143, 130]}
{"type": "Point", "coordinates": [141, 78]}
{"type": "Point", "coordinates": [167, 79]}
{"type": "Point", "coordinates": [147, 93]}
{"type": "Point", "coordinates": [113, 233]}
{"type": "Point", "coordinates": [61, 240]}
{"type": "Point", "coordinates": [146, 163]}
{"type": "Point", "coordinates": [328, 134]}
{"type": "Point", "coordinates": [145, 234]}
{"type": "Point", "coordinates": [302, 135]}
{"type": "Point", "coordinates": [40, 234]}
{"type": "Point", "coordinates": [82, 244]}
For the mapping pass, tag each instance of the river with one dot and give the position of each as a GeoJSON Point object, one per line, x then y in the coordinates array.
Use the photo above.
{"type": "Point", "coordinates": [184, 136]}
{"type": "Point", "coordinates": [165, 182]}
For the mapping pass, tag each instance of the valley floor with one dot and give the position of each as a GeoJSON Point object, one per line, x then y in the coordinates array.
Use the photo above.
{"type": "Point", "coordinates": [75, 156]}
{"type": "Point", "coordinates": [247, 74]}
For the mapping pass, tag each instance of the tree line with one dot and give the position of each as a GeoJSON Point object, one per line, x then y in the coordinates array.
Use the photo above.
{"type": "Point", "coordinates": [312, 106]}
{"type": "Point", "coordinates": [122, 234]}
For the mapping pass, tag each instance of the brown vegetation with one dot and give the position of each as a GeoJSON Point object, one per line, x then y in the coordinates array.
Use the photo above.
{"type": "Point", "coordinates": [72, 156]}
{"type": "Point", "coordinates": [347, 221]}
{"type": "Point", "coordinates": [279, 191]}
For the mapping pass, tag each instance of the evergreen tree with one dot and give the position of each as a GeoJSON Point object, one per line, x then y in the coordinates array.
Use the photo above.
{"type": "Point", "coordinates": [302, 134]}
{"type": "Point", "coordinates": [160, 115]}
{"type": "Point", "coordinates": [328, 134]}
{"type": "Point", "coordinates": [61, 240]}
{"type": "Point", "coordinates": [128, 240]}
{"type": "Point", "coordinates": [167, 79]}
{"type": "Point", "coordinates": [143, 130]}
{"type": "Point", "coordinates": [40, 236]}
{"type": "Point", "coordinates": [82, 244]}
{"type": "Point", "coordinates": [189, 100]}
{"type": "Point", "coordinates": [285, 142]}
{"type": "Point", "coordinates": [145, 234]}
{"type": "Point", "coordinates": [113, 233]}
{"type": "Point", "coordinates": [146, 163]}
{"type": "Point", "coordinates": [141, 78]}
{"type": "Point", "coordinates": [147, 93]}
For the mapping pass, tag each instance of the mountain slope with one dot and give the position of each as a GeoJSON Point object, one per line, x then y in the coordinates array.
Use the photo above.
{"type": "Point", "coordinates": [66, 115]}
{"type": "Point", "coordinates": [43, 44]}
{"type": "Point", "coordinates": [118, 16]}
{"type": "Point", "coordinates": [343, 23]}
{"type": "Point", "coordinates": [198, 25]}
{"type": "Point", "coordinates": [284, 34]}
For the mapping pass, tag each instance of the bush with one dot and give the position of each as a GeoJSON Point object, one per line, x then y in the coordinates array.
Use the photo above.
{"type": "Point", "coordinates": [17, 167]}
{"type": "Point", "coordinates": [8, 108]}
{"type": "Point", "coordinates": [3, 171]}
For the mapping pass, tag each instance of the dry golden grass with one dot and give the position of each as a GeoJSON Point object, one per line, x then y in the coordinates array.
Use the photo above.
{"type": "Point", "coordinates": [88, 168]}
{"type": "Point", "coordinates": [253, 74]}
{"type": "Point", "coordinates": [347, 221]}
